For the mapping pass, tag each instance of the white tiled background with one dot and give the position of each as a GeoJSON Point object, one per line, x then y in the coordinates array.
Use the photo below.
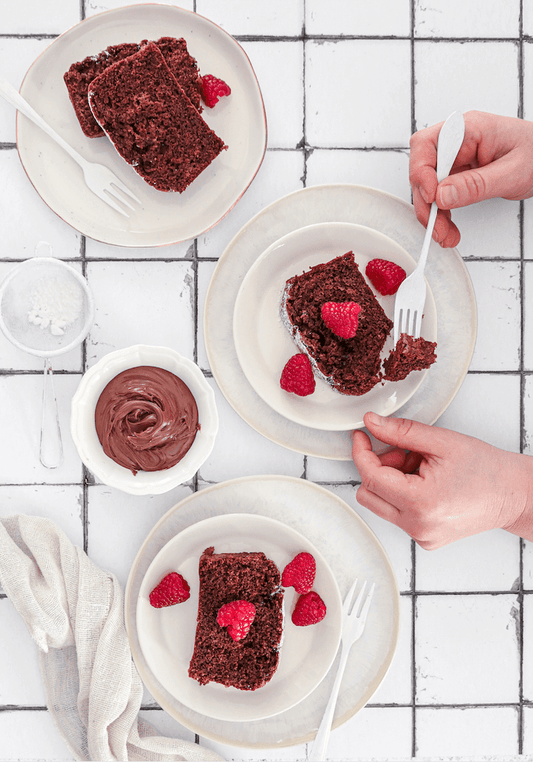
{"type": "Point", "coordinates": [345, 83]}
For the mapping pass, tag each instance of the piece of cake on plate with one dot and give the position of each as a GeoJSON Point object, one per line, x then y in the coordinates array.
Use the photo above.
{"type": "Point", "coordinates": [247, 659]}
{"type": "Point", "coordinates": [151, 122]}
{"type": "Point", "coordinates": [81, 73]}
{"type": "Point", "coordinates": [349, 365]}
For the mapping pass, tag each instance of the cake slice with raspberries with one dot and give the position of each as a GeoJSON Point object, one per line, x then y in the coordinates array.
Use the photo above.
{"type": "Point", "coordinates": [352, 365]}
{"type": "Point", "coordinates": [81, 73]}
{"type": "Point", "coordinates": [151, 121]}
{"type": "Point", "coordinates": [232, 584]}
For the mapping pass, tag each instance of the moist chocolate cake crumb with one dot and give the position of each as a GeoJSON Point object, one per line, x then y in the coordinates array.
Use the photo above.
{"type": "Point", "coordinates": [249, 663]}
{"type": "Point", "coordinates": [409, 354]}
{"type": "Point", "coordinates": [151, 121]}
{"type": "Point", "coordinates": [80, 75]}
{"type": "Point", "coordinates": [351, 366]}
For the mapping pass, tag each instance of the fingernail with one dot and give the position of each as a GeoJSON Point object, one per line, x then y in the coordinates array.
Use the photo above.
{"type": "Point", "coordinates": [374, 419]}
{"type": "Point", "coordinates": [425, 195]}
{"type": "Point", "coordinates": [448, 195]}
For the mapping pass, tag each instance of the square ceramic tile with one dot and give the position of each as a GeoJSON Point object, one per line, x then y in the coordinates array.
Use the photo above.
{"type": "Point", "coordinates": [528, 227]}
{"type": "Point", "coordinates": [473, 733]}
{"type": "Point", "coordinates": [241, 451]}
{"type": "Point", "coordinates": [30, 220]}
{"type": "Point", "coordinates": [147, 303]}
{"type": "Point", "coordinates": [32, 735]}
{"type": "Point", "coordinates": [332, 471]}
{"type": "Point", "coordinates": [16, 57]}
{"type": "Point", "coordinates": [396, 687]}
{"type": "Point", "coordinates": [285, 124]}
{"type": "Point", "coordinates": [205, 273]}
{"type": "Point", "coordinates": [498, 333]}
{"type": "Point", "coordinates": [375, 110]}
{"type": "Point", "coordinates": [98, 250]}
{"type": "Point", "coordinates": [34, 17]}
{"type": "Point", "coordinates": [21, 682]}
{"type": "Point", "coordinates": [451, 76]}
{"type": "Point", "coordinates": [19, 454]}
{"type": "Point", "coordinates": [469, 565]}
{"type": "Point", "coordinates": [475, 19]}
{"type": "Point", "coordinates": [528, 316]}
{"type": "Point", "coordinates": [281, 173]}
{"type": "Point", "coordinates": [61, 503]}
{"type": "Point", "coordinates": [119, 524]}
{"type": "Point", "coordinates": [489, 229]}
{"type": "Point", "coordinates": [373, 733]}
{"type": "Point", "coordinates": [527, 572]}
{"type": "Point", "coordinates": [528, 66]}
{"type": "Point", "coordinates": [466, 649]}
{"type": "Point", "coordinates": [240, 17]}
{"type": "Point", "coordinates": [386, 170]}
{"type": "Point", "coordinates": [396, 543]}
{"type": "Point", "coordinates": [528, 415]}
{"type": "Point", "coordinates": [528, 654]}
{"type": "Point", "coordinates": [338, 17]}
{"type": "Point", "coordinates": [501, 396]}
{"type": "Point", "coordinates": [528, 730]}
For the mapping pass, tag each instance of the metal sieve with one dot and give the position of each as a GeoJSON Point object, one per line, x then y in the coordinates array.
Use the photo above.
{"type": "Point", "coordinates": [46, 309]}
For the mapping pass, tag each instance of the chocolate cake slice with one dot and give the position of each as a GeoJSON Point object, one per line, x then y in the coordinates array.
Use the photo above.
{"type": "Point", "coordinates": [351, 366]}
{"type": "Point", "coordinates": [249, 663]}
{"type": "Point", "coordinates": [80, 75]}
{"type": "Point", "coordinates": [151, 122]}
{"type": "Point", "coordinates": [409, 354]}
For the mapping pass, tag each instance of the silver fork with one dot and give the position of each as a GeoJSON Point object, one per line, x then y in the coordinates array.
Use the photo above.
{"type": "Point", "coordinates": [411, 296]}
{"type": "Point", "coordinates": [100, 180]}
{"type": "Point", "coordinates": [353, 624]}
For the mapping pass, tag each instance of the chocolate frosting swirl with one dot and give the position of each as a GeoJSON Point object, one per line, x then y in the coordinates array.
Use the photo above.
{"type": "Point", "coordinates": [146, 419]}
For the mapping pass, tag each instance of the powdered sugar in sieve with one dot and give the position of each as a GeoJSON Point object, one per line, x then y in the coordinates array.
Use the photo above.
{"type": "Point", "coordinates": [46, 309]}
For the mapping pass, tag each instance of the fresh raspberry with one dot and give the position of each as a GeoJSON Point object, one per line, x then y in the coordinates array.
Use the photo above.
{"type": "Point", "coordinates": [385, 276]}
{"type": "Point", "coordinates": [309, 609]}
{"type": "Point", "coordinates": [237, 616]}
{"type": "Point", "coordinates": [297, 376]}
{"type": "Point", "coordinates": [300, 573]}
{"type": "Point", "coordinates": [341, 318]}
{"type": "Point", "coordinates": [212, 88]}
{"type": "Point", "coordinates": [171, 590]}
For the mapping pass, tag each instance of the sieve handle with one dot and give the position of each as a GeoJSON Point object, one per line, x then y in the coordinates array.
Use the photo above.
{"type": "Point", "coordinates": [51, 444]}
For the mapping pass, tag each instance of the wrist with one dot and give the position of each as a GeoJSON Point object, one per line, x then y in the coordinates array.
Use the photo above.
{"type": "Point", "coordinates": [517, 507]}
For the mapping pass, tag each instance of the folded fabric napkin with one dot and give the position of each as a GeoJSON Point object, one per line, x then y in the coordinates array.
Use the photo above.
{"type": "Point", "coordinates": [74, 612]}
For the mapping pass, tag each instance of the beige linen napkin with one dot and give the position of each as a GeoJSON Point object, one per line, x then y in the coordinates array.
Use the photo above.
{"type": "Point", "coordinates": [74, 612]}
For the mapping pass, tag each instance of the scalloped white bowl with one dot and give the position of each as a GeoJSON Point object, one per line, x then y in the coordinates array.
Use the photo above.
{"type": "Point", "coordinates": [83, 427]}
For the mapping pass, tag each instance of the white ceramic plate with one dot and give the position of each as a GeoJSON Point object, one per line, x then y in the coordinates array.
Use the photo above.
{"type": "Point", "coordinates": [350, 549]}
{"type": "Point", "coordinates": [166, 635]}
{"type": "Point", "coordinates": [264, 345]}
{"type": "Point", "coordinates": [164, 218]}
{"type": "Point", "coordinates": [83, 429]}
{"type": "Point", "coordinates": [445, 272]}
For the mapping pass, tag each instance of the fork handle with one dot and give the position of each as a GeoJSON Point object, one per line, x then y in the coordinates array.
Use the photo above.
{"type": "Point", "coordinates": [8, 92]}
{"type": "Point", "coordinates": [427, 239]}
{"type": "Point", "coordinates": [318, 750]}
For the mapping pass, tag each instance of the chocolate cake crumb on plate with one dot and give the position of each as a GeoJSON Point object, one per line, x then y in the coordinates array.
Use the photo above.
{"type": "Point", "coordinates": [351, 366]}
{"type": "Point", "coordinates": [249, 663]}
{"type": "Point", "coordinates": [151, 122]}
{"type": "Point", "coordinates": [408, 355]}
{"type": "Point", "coordinates": [80, 75]}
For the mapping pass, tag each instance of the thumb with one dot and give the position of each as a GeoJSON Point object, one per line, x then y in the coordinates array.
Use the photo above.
{"type": "Point", "coordinates": [473, 185]}
{"type": "Point", "coordinates": [407, 434]}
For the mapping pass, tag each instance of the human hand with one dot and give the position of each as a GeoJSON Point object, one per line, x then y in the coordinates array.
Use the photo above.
{"type": "Point", "coordinates": [463, 485]}
{"type": "Point", "coordinates": [495, 160]}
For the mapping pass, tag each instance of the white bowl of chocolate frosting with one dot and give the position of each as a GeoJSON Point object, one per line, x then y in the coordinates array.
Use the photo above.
{"type": "Point", "coordinates": [144, 419]}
